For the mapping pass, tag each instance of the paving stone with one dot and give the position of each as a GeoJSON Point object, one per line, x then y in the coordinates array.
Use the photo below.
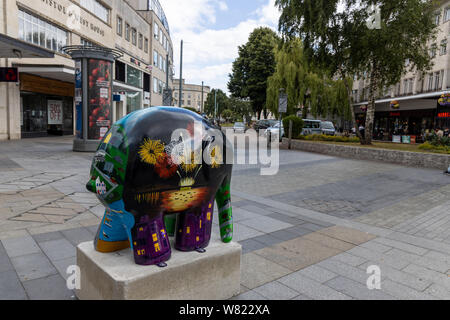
{"type": "Point", "coordinates": [427, 262]}
{"type": "Point", "coordinates": [317, 273]}
{"type": "Point", "coordinates": [284, 235]}
{"type": "Point", "coordinates": [402, 292]}
{"type": "Point", "coordinates": [348, 234]}
{"type": "Point", "coordinates": [344, 270]}
{"type": "Point", "coordinates": [266, 224]}
{"type": "Point", "coordinates": [329, 241]}
{"type": "Point", "coordinates": [251, 245]}
{"type": "Point", "coordinates": [298, 230]}
{"type": "Point", "coordinates": [257, 271]}
{"type": "Point", "coordinates": [58, 249]}
{"type": "Point", "coordinates": [240, 214]}
{"type": "Point", "coordinates": [302, 297]}
{"type": "Point", "coordinates": [77, 236]}
{"type": "Point", "coordinates": [11, 287]}
{"type": "Point", "coordinates": [43, 237]}
{"type": "Point", "coordinates": [276, 291]}
{"type": "Point", "coordinates": [433, 276]}
{"type": "Point", "coordinates": [297, 254]}
{"type": "Point", "coordinates": [286, 219]}
{"type": "Point", "coordinates": [16, 247]}
{"type": "Point", "coordinates": [402, 246]}
{"type": "Point", "coordinates": [357, 290]}
{"type": "Point", "coordinates": [349, 259]}
{"type": "Point", "coordinates": [267, 240]}
{"type": "Point", "coordinates": [33, 266]}
{"type": "Point", "coordinates": [379, 258]}
{"type": "Point", "coordinates": [438, 291]}
{"type": "Point", "coordinates": [5, 263]}
{"type": "Point", "coordinates": [51, 288]}
{"type": "Point", "coordinates": [311, 226]}
{"type": "Point", "coordinates": [312, 288]}
{"type": "Point", "coordinates": [375, 246]}
{"type": "Point", "coordinates": [257, 210]}
{"type": "Point", "coordinates": [93, 229]}
{"type": "Point", "coordinates": [242, 232]}
{"type": "Point", "coordinates": [62, 265]}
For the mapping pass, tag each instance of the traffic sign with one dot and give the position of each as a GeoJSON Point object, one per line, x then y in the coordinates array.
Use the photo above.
{"type": "Point", "coordinates": [283, 103]}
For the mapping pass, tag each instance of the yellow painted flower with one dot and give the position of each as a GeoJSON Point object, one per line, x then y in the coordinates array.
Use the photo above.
{"type": "Point", "coordinates": [190, 167]}
{"type": "Point", "coordinates": [150, 151]}
{"type": "Point", "coordinates": [216, 158]}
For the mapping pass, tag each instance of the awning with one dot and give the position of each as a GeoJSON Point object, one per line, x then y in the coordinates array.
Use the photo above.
{"type": "Point", "coordinates": [56, 72]}
{"type": "Point", "coordinates": [13, 48]}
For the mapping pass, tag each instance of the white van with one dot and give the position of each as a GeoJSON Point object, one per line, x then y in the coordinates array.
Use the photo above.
{"type": "Point", "coordinates": [311, 127]}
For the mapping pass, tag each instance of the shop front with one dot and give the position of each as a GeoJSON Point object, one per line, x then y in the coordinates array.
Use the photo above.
{"type": "Point", "coordinates": [443, 112]}
{"type": "Point", "coordinates": [46, 106]}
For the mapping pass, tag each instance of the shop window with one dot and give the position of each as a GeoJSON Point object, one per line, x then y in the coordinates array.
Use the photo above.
{"type": "Point", "coordinates": [447, 14]}
{"type": "Point", "coordinates": [134, 101]}
{"type": "Point", "coordinates": [134, 77]}
{"type": "Point", "coordinates": [41, 33]}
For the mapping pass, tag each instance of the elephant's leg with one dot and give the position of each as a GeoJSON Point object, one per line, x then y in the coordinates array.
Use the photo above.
{"type": "Point", "coordinates": [223, 198]}
{"type": "Point", "coordinates": [151, 244]}
{"type": "Point", "coordinates": [194, 229]}
{"type": "Point", "coordinates": [111, 234]}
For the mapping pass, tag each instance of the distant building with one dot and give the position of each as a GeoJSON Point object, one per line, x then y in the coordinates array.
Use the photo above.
{"type": "Point", "coordinates": [191, 96]}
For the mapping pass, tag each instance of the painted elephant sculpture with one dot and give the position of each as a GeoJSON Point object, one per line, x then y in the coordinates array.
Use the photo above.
{"type": "Point", "coordinates": [159, 173]}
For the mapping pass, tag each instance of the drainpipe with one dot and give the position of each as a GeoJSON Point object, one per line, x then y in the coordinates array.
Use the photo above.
{"type": "Point", "coordinates": [5, 31]}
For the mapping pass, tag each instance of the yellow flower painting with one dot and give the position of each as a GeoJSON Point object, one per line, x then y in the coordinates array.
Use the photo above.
{"type": "Point", "coordinates": [150, 151]}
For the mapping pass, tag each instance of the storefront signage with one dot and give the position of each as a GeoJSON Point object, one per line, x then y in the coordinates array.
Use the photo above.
{"type": "Point", "coordinates": [444, 115]}
{"type": "Point", "coordinates": [397, 139]}
{"type": "Point", "coordinates": [394, 114]}
{"type": "Point", "coordinates": [395, 105]}
{"type": "Point", "coordinates": [55, 112]}
{"type": "Point", "coordinates": [9, 75]}
{"type": "Point", "coordinates": [444, 100]}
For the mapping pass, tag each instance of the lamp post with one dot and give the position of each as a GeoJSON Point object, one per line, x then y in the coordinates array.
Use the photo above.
{"type": "Point", "coordinates": [181, 75]}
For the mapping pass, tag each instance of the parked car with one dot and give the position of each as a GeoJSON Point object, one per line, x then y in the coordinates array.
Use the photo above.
{"type": "Point", "coordinates": [239, 127]}
{"type": "Point", "coordinates": [328, 128]}
{"type": "Point", "coordinates": [311, 127]}
{"type": "Point", "coordinates": [274, 131]}
{"type": "Point", "coordinates": [264, 124]}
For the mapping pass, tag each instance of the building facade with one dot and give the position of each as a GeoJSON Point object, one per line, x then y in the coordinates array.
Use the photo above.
{"type": "Point", "coordinates": [191, 95]}
{"type": "Point", "coordinates": [46, 86]}
{"type": "Point", "coordinates": [417, 104]}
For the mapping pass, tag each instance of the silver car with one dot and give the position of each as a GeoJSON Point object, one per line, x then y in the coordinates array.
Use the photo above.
{"type": "Point", "coordinates": [311, 127]}
{"type": "Point", "coordinates": [239, 127]}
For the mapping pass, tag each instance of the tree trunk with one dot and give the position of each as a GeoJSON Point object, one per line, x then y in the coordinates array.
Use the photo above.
{"type": "Point", "coordinates": [350, 101]}
{"type": "Point", "coordinates": [370, 116]}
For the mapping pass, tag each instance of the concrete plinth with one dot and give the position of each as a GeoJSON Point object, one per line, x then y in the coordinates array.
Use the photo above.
{"type": "Point", "coordinates": [213, 275]}
{"type": "Point", "coordinates": [85, 146]}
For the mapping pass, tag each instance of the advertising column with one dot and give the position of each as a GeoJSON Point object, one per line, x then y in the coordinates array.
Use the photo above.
{"type": "Point", "coordinates": [100, 98]}
{"type": "Point", "coordinates": [78, 100]}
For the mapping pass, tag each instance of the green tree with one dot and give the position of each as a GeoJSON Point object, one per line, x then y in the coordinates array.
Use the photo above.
{"type": "Point", "coordinates": [305, 85]}
{"type": "Point", "coordinates": [255, 63]}
{"type": "Point", "coordinates": [242, 109]}
{"type": "Point", "coordinates": [344, 42]}
{"type": "Point", "coordinates": [222, 103]}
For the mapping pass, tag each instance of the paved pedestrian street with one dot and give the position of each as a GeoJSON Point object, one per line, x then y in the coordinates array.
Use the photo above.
{"type": "Point", "coordinates": [310, 232]}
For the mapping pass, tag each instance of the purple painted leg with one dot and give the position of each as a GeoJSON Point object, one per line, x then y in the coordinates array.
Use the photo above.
{"type": "Point", "coordinates": [151, 244]}
{"type": "Point", "coordinates": [194, 229]}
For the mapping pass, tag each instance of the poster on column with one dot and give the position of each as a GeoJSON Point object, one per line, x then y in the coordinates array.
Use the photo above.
{"type": "Point", "coordinates": [78, 100]}
{"type": "Point", "coordinates": [100, 98]}
{"type": "Point", "coordinates": [54, 111]}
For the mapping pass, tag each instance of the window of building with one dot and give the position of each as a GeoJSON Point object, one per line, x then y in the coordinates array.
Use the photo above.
{"type": "Point", "coordinates": [437, 18]}
{"type": "Point", "coordinates": [134, 77]}
{"type": "Point", "coordinates": [161, 62]}
{"type": "Point", "coordinates": [447, 14]}
{"type": "Point", "coordinates": [133, 36]}
{"type": "Point", "coordinates": [155, 85]}
{"type": "Point", "coordinates": [146, 45]}
{"type": "Point", "coordinates": [146, 82]}
{"type": "Point", "coordinates": [155, 58]}
{"type": "Point", "coordinates": [433, 51]}
{"type": "Point", "coordinates": [96, 8]}
{"type": "Point", "coordinates": [189, 102]}
{"type": "Point", "coordinates": [120, 71]}
{"type": "Point", "coordinates": [160, 36]}
{"type": "Point", "coordinates": [141, 41]}
{"type": "Point", "coordinates": [156, 31]}
{"type": "Point", "coordinates": [119, 26]}
{"type": "Point", "coordinates": [86, 43]}
{"type": "Point", "coordinates": [127, 32]}
{"type": "Point", "coordinates": [405, 86]}
{"type": "Point", "coordinates": [430, 82]}
{"type": "Point", "coordinates": [160, 87]}
{"type": "Point", "coordinates": [443, 50]}
{"type": "Point", "coordinates": [411, 85]}
{"type": "Point", "coordinates": [40, 32]}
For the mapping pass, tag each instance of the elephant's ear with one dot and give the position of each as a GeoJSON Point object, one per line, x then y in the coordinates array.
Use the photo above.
{"type": "Point", "coordinates": [223, 198]}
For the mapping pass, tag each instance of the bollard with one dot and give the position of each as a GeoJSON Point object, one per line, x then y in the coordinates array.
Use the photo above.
{"type": "Point", "coordinates": [290, 134]}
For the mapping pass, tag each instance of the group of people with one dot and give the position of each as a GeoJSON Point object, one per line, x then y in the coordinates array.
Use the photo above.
{"type": "Point", "coordinates": [442, 133]}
